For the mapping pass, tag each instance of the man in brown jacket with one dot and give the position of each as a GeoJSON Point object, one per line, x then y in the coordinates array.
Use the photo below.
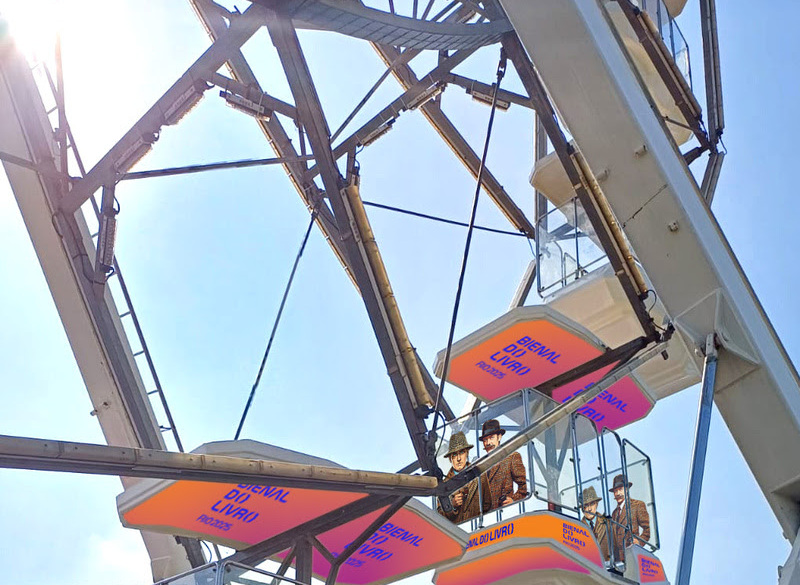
{"type": "Point", "coordinates": [466, 501]}
{"type": "Point", "coordinates": [597, 522]}
{"type": "Point", "coordinates": [503, 476]}
{"type": "Point", "coordinates": [639, 520]}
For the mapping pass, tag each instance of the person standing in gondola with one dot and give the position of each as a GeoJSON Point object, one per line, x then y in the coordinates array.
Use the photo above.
{"type": "Point", "coordinates": [506, 475]}
{"type": "Point", "coordinates": [597, 522]}
{"type": "Point", "coordinates": [466, 501]}
{"type": "Point", "coordinates": [639, 532]}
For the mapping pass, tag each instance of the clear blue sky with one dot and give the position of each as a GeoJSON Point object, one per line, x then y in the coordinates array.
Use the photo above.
{"type": "Point", "coordinates": [206, 258]}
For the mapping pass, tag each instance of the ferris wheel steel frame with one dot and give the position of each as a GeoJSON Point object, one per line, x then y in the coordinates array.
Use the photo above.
{"type": "Point", "coordinates": [335, 199]}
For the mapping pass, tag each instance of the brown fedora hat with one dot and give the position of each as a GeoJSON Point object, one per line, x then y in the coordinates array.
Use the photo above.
{"type": "Point", "coordinates": [458, 442]}
{"type": "Point", "coordinates": [491, 427]}
{"type": "Point", "coordinates": [619, 481]}
{"type": "Point", "coordinates": [590, 496]}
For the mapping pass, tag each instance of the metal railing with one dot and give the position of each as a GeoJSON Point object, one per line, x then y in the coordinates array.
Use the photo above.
{"type": "Point", "coordinates": [566, 247]}
{"type": "Point", "coordinates": [204, 575]}
{"type": "Point", "coordinates": [513, 412]}
{"type": "Point", "coordinates": [227, 572]}
{"type": "Point", "coordinates": [564, 465]}
{"type": "Point", "coordinates": [233, 573]}
{"type": "Point", "coordinates": [670, 33]}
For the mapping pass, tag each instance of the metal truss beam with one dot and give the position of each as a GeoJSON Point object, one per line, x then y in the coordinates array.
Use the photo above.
{"type": "Point", "coordinates": [456, 141]}
{"type": "Point", "coordinates": [403, 367]}
{"type": "Point", "coordinates": [252, 94]}
{"type": "Point", "coordinates": [303, 561]}
{"type": "Point", "coordinates": [414, 92]}
{"type": "Point", "coordinates": [711, 176]}
{"type": "Point", "coordinates": [73, 236]}
{"type": "Point", "coordinates": [49, 171]}
{"type": "Point", "coordinates": [133, 144]}
{"type": "Point", "coordinates": [612, 242]}
{"type": "Point", "coordinates": [525, 285]}
{"type": "Point", "coordinates": [364, 22]}
{"type": "Point", "coordinates": [713, 75]}
{"type": "Point", "coordinates": [209, 14]}
{"type": "Point", "coordinates": [716, 114]}
{"type": "Point", "coordinates": [322, 549]}
{"type": "Point", "coordinates": [90, 458]}
{"type": "Point", "coordinates": [263, 550]}
{"type": "Point", "coordinates": [285, 564]}
{"type": "Point", "coordinates": [405, 57]}
{"type": "Point", "coordinates": [540, 151]}
{"type": "Point", "coordinates": [382, 518]}
{"type": "Point", "coordinates": [472, 85]}
{"type": "Point", "coordinates": [613, 356]}
{"type": "Point", "coordinates": [434, 390]}
{"type": "Point", "coordinates": [298, 173]}
{"type": "Point", "coordinates": [236, 164]}
{"type": "Point", "coordinates": [414, 87]}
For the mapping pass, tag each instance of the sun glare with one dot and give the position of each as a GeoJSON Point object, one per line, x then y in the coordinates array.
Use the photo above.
{"type": "Point", "coordinates": [34, 25]}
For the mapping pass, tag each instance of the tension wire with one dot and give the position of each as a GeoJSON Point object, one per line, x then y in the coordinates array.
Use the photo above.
{"type": "Point", "coordinates": [275, 325]}
{"type": "Point", "coordinates": [501, 70]}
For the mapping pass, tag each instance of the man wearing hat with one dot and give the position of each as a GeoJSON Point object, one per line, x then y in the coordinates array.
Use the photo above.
{"type": "Point", "coordinates": [510, 471]}
{"type": "Point", "coordinates": [466, 501]}
{"type": "Point", "coordinates": [639, 519]}
{"type": "Point", "coordinates": [597, 522]}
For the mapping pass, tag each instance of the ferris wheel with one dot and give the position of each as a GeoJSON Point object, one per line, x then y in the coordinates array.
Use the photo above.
{"type": "Point", "coordinates": [639, 297]}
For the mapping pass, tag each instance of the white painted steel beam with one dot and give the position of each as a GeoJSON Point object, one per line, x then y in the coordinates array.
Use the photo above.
{"type": "Point", "coordinates": [26, 133]}
{"type": "Point", "coordinates": [605, 107]}
{"type": "Point", "coordinates": [789, 573]}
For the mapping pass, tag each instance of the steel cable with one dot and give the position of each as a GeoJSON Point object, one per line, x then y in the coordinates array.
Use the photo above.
{"type": "Point", "coordinates": [501, 69]}
{"type": "Point", "coordinates": [275, 325]}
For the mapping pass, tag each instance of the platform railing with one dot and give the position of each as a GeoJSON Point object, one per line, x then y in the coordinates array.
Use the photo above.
{"type": "Point", "coordinates": [670, 33]}
{"type": "Point", "coordinates": [233, 573]}
{"type": "Point", "coordinates": [639, 473]}
{"type": "Point", "coordinates": [226, 572]}
{"type": "Point", "coordinates": [567, 467]}
{"type": "Point", "coordinates": [207, 574]}
{"type": "Point", "coordinates": [512, 413]}
{"type": "Point", "coordinates": [567, 248]}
